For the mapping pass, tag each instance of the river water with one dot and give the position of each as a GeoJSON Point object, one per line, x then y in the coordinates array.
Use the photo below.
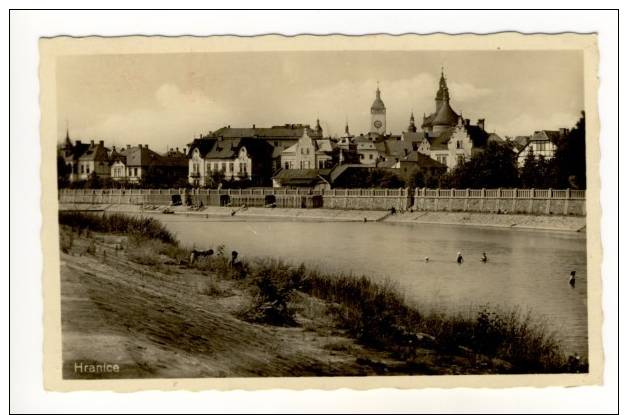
{"type": "Point", "coordinates": [527, 269]}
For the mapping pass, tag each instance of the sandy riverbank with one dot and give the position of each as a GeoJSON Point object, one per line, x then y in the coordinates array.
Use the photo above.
{"type": "Point", "coordinates": [540, 222]}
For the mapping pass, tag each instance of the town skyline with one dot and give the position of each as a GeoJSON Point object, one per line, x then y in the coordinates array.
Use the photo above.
{"type": "Point", "coordinates": [124, 99]}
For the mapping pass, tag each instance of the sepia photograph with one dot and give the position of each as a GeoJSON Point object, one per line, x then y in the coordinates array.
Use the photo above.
{"type": "Point", "coordinates": [332, 208]}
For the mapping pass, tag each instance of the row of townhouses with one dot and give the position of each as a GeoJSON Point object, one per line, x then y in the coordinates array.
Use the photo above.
{"type": "Point", "coordinates": [132, 164]}
{"type": "Point", "coordinates": [300, 155]}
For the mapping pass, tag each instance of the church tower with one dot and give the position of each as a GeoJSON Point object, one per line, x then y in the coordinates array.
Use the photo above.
{"type": "Point", "coordinates": [412, 126]}
{"type": "Point", "coordinates": [378, 114]}
{"type": "Point", "coordinates": [442, 95]}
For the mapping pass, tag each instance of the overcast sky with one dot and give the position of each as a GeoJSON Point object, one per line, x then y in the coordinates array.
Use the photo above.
{"type": "Point", "coordinates": [165, 100]}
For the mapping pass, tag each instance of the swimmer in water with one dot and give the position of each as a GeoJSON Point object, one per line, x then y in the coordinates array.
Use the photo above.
{"type": "Point", "coordinates": [427, 259]}
{"type": "Point", "coordinates": [572, 279]}
{"type": "Point", "coordinates": [459, 258]}
{"type": "Point", "coordinates": [484, 258]}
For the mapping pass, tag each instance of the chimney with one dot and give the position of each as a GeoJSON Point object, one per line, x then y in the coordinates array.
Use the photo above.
{"type": "Point", "coordinates": [177, 149]}
{"type": "Point", "coordinates": [253, 126]}
{"type": "Point", "coordinates": [467, 122]}
{"type": "Point", "coordinates": [128, 146]}
{"type": "Point", "coordinates": [481, 123]}
{"type": "Point", "coordinates": [102, 142]}
{"type": "Point", "coordinates": [145, 145]}
{"type": "Point", "coordinates": [114, 148]}
{"type": "Point", "coordinates": [78, 142]}
{"type": "Point", "coordinates": [564, 131]}
{"type": "Point", "coordinates": [91, 142]}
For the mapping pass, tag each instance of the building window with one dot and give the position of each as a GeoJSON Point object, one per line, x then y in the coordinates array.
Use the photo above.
{"type": "Point", "coordinates": [82, 168]}
{"type": "Point", "coordinates": [460, 159]}
{"type": "Point", "coordinates": [307, 151]}
{"type": "Point", "coordinates": [370, 157]}
{"type": "Point", "coordinates": [458, 144]}
{"type": "Point", "coordinates": [87, 169]}
{"type": "Point", "coordinates": [442, 159]}
{"type": "Point", "coordinates": [287, 165]}
{"type": "Point", "coordinates": [231, 166]}
{"type": "Point", "coordinates": [135, 171]}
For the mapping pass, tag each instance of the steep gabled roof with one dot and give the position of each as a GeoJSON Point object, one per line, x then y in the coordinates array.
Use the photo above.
{"type": "Point", "coordinates": [278, 132]}
{"type": "Point", "coordinates": [546, 135]}
{"type": "Point", "coordinates": [204, 145]}
{"type": "Point", "coordinates": [398, 148]}
{"type": "Point", "coordinates": [439, 142]}
{"type": "Point", "coordinates": [302, 177]}
{"type": "Point", "coordinates": [521, 141]}
{"type": "Point", "coordinates": [423, 161]}
{"type": "Point", "coordinates": [95, 152]}
{"type": "Point", "coordinates": [224, 149]}
{"type": "Point", "coordinates": [141, 157]}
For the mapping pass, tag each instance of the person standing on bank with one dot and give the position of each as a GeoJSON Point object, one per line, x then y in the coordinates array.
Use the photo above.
{"type": "Point", "coordinates": [572, 279]}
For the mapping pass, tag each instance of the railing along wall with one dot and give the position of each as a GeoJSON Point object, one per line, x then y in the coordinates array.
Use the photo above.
{"type": "Point", "coordinates": [531, 201]}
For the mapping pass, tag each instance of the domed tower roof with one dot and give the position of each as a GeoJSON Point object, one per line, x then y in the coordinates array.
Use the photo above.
{"type": "Point", "coordinates": [378, 104]}
{"type": "Point", "coordinates": [445, 115]}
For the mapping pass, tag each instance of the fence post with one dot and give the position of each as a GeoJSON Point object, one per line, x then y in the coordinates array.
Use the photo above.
{"type": "Point", "coordinates": [567, 196]}
{"type": "Point", "coordinates": [482, 197]}
{"type": "Point", "coordinates": [549, 201]}
{"type": "Point", "coordinates": [514, 201]}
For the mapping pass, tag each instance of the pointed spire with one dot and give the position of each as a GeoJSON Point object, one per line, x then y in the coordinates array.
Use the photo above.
{"type": "Point", "coordinates": [346, 127]}
{"type": "Point", "coordinates": [318, 126]}
{"type": "Point", "coordinates": [68, 142]}
{"type": "Point", "coordinates": [412, 126]}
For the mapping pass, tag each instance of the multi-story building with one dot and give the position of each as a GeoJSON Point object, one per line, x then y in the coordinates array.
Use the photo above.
{"type": "Point", "coordinates": [231, 159]}
{"type": "Point", "coordinates": [446, 136]}
{"type": "Point", "coordinates": [140, 164]}
{"type": "Point", "coordinates": [541, 143]}
{"type": "Point", "coordinates": [308, 153]}
{"type": "Point", "coordinates": [84, 160]}
{"type": "Point", "coordinates": [280, 137]}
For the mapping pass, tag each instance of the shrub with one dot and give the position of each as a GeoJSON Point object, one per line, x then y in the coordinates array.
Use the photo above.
{"type": "Point", "coordinates": [148, 228]}
{"type": "Point", "coordinates": [274, 284]}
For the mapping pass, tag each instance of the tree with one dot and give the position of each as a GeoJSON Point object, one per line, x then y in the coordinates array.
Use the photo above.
{"type": "Point", "coordinates": [529, 174]}
{"type": "Point", "coordinates": [93, 181]}
{"type": "Point", "coordinates": [418, 179]}
{"type": "Point", "coordinates": [216, 179]}
{"type": "Point", "coordinates": [63, 173]}
{"type": "Point", "coordinates": [368, 178]}
{"type": "Point", "coordinates": [570, 158]}
{"type": "Point", "coordinates": [494, 167]}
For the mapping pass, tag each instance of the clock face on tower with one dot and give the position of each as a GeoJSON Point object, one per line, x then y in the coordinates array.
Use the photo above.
{"type": "Point", "coordinates": [377, 124]}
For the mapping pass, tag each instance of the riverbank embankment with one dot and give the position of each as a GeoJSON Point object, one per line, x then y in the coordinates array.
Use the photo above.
{"type": "Point", "coordinates": [493, 220]}
{"type": "Point", "coordinates": [131, 294]}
